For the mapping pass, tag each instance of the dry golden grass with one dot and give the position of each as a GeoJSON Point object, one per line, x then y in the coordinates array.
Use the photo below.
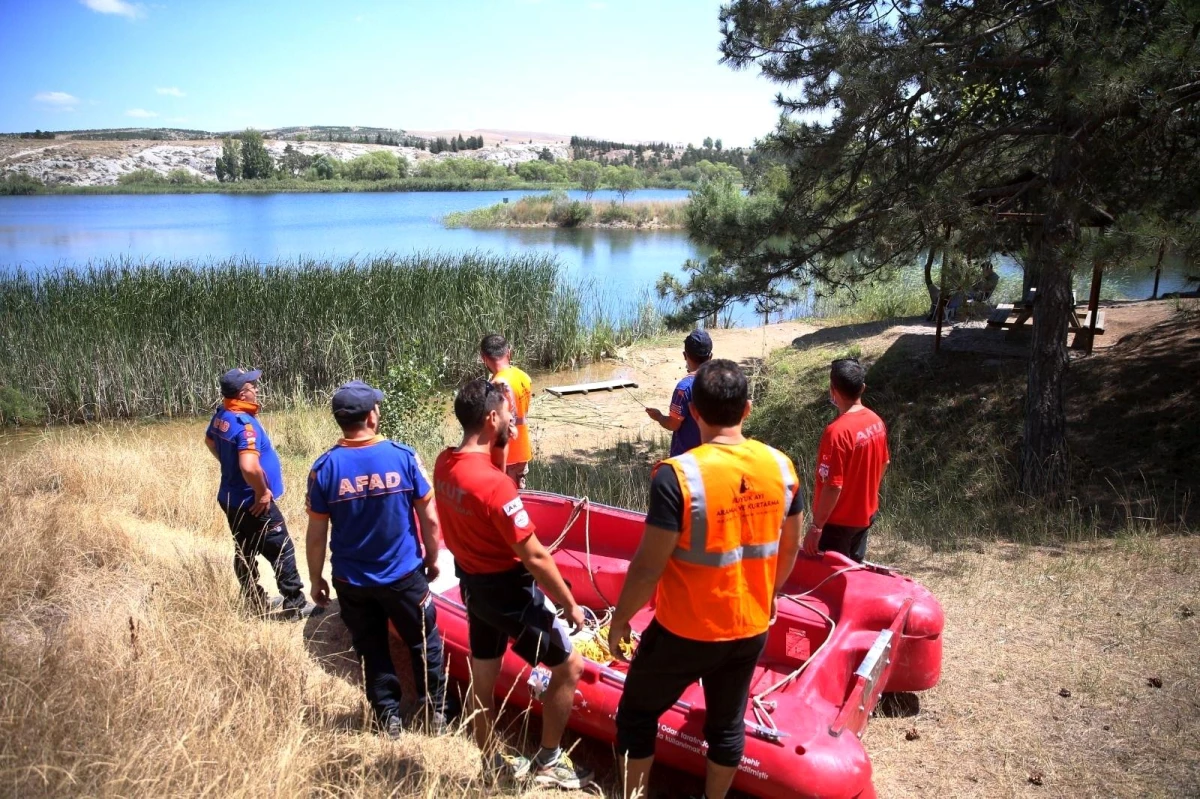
{"type": "Point", "coordinates": [126, 669]}
{"type": "Point", "coordinates": [1024, 623]}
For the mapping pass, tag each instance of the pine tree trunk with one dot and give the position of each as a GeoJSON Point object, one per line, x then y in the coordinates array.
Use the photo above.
{"type": "Point", "coordinates": [1044, 461]}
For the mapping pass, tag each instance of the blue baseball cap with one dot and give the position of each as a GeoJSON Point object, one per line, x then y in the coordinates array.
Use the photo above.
{"type": "Point", "coordinates": [235, 380]}
{"type": "Point", "coordinates": [698, 344]}
{"type": "Point", "coordinates": [355, 399]}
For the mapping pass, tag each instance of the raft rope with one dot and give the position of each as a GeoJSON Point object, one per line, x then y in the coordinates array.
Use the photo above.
{"type": "Point", "coordinates": [592, 640]}
{"type": "Point", "coordinates": [762, 710]}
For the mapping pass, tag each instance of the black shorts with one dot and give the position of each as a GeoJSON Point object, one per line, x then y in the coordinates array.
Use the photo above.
{"type": "Point", "coordinates": [510, 605]}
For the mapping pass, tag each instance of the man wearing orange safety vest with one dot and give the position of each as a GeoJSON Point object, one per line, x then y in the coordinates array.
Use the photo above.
{"type": "Point", "coordinates": [722, 535]}
{"type": "Point", "coordinates": [496, 354]}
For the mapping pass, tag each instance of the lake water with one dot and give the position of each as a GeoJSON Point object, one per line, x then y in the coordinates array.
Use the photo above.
{"type": "Point", "coordinates": [42, 232]}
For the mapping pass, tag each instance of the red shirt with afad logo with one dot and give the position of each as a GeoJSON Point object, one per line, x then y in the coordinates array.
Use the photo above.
{"type": "Point", "coordinates": [480, 511]}
{"type": "Point", "coordinates": [852, 456]}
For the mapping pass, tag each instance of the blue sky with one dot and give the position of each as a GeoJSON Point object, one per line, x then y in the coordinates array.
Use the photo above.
{"type": "Point", "coordinates": [619, 69]}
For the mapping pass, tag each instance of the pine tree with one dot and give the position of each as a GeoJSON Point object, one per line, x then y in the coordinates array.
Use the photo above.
{"type": "Point", "coordinates": [1013, 124]}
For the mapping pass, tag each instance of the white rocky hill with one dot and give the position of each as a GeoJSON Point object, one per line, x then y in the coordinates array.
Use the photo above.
{"type": "Point", "coordinates": [100, 163]}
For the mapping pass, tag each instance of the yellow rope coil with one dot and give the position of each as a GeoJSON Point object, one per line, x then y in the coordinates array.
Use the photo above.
{"type": "Point", "coordinates": [594, 646]}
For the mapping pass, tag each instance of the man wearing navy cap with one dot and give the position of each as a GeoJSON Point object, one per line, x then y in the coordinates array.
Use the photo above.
{"type": "Point", "coordinates": [251, 481]}
{"type": "Point", "coordinates": [368, 488]}
{"type": "Point", "coordinates": [685, 434]}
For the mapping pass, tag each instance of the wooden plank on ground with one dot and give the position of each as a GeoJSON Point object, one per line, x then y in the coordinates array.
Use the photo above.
{"type": "Point", "coordinates": [584, 388]}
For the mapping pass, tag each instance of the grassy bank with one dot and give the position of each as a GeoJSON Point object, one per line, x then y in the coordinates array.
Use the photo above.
{"type": "Point", "coordinates": [122, 339]}
{"type": "Point", "coordinates": [955, 426]}
{"type": "Point", "coordinates": [126, 669]}
{"type": "Point", "coordinates": [557, 210]}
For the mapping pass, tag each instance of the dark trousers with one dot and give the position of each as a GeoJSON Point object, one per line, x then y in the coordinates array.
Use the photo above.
{"type": "Point", "coordinates": [408, 604]}
{"type": "Point", "coordinates": [265, 535]}
{"type": "Point", "coordinates": [663, 666]}
{"type": "Point", "coordinates": [850, 541]}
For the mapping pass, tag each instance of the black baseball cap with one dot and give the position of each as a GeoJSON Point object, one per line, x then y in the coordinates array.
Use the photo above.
{"type": "Point", "coordinates": [235, 380]}
{"type": "Point", "coordinates": [698, 344]}
{"type": "Point", "coordinates": [355, 399]}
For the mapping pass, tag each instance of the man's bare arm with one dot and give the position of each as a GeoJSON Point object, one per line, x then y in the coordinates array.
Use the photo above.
{"type": "Point", "coordinates": [540, 563]}
{"type": "Point", "coordinates": [427, 518]}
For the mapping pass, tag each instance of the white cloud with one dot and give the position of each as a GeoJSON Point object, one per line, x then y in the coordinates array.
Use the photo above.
{"type": "Point", "coordinates": [60, 100]}
{"type": "Point", "coordinates": [171, 91]}
{"type": "Point", "coordinates": [120, 7]}
{"type": "Point", "coordinates": [598, 6]}
{"type": "Point", "coordinates": [140, 113]}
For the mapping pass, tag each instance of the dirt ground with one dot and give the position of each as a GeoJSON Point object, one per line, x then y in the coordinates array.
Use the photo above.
{"type": "Point", "coordinates": [578, 424]}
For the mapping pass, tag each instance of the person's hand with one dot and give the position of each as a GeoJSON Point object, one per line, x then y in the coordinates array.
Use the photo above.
{"type": "Point", "coordinates": [262, 504]}
{"type": "Point", "coordinates": [655, 414]}
{"type": "Point", "coordinates": [774, 609]}
{"type": "Point", "coordinates": [619, 632]}
{"type": "Point", "coordinates": [320, 592]}
{"type": "Point", "coordinates": [812, 541]}
{"type": "Point", "coordinates": [431, 570]}
{"type": "Point", "coordinates": [574, 616]}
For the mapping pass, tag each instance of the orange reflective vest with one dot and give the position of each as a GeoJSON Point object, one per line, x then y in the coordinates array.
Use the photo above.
{"type": "Point", "coordinates": [520, 392]}
{"type": "Point", "coordinates": [719, 581]}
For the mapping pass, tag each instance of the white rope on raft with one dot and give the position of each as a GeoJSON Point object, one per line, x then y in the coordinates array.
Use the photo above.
{"type": "Point", "coordinates": [757, 705]}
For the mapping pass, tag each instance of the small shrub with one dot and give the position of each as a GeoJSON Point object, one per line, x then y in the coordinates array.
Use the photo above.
{"type": "Point", "coordinates": [414, 404]}
{"type": "Point", "coordinates": [20, 183]}
{"type": "Point", "coordinates": [570, 214]}
{"type": "Point", "coordinates": [142, 177]}
{"type": "Point", "coordinates": [183, 177]}
{"type": "Point", "coordinates": [16, 408]}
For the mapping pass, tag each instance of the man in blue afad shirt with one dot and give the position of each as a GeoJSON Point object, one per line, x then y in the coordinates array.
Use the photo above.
{"type": "Point", "coordinates": [251, 481]}
{"type": "Point", "coordinates": [368, 488]}
{"type": "Point", "coordinates": [685, 434]}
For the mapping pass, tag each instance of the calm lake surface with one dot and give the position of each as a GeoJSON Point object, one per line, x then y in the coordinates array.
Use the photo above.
{"type": "Point", "coordinates": [47, 232]}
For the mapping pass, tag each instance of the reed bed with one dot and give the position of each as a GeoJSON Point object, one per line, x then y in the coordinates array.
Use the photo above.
{"type": "Point", "coordinates": [120, 338]}
{"type": "Point", "coordinates": [556, 209]}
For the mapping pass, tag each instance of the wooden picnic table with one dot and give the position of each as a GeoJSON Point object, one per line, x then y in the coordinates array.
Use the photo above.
{"type": "Point", "coordinates": [1080, 320]}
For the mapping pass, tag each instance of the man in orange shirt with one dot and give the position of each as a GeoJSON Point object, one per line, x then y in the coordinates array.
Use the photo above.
{"type": "Point", "coordinates": [502, 568]}
{"type": "Point", "coordinates": [496, 354]}
{"type": "Point", "coordinates": [722, 536]}
{"type": "Point", "coordinates": [851, 462]}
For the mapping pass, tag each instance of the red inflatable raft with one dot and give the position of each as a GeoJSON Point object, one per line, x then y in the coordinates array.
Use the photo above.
{"type": "Point", "coordinates": [845, 634]}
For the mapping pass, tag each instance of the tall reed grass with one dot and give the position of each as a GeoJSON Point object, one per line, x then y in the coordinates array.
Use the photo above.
{"type": "Point", "coordinates": [121, 338]}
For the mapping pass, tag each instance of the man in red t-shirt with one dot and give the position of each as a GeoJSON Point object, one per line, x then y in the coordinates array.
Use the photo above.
{"type": "Point", "coordinates": [500, 563]}
{"type": "Point", "coordinates": [850, 464]}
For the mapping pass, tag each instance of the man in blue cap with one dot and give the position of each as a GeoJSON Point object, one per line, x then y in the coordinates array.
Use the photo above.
{"type": "Point", "coordinates": [251, 481]}
{"type": "Point", "coordinates": [685, 434]}
{"type": "Point", "coordinates": [369, 488]}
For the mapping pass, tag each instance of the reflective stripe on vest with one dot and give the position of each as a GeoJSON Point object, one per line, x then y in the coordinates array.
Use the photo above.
{"type": "Point", "coordinates": [697, 551]}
